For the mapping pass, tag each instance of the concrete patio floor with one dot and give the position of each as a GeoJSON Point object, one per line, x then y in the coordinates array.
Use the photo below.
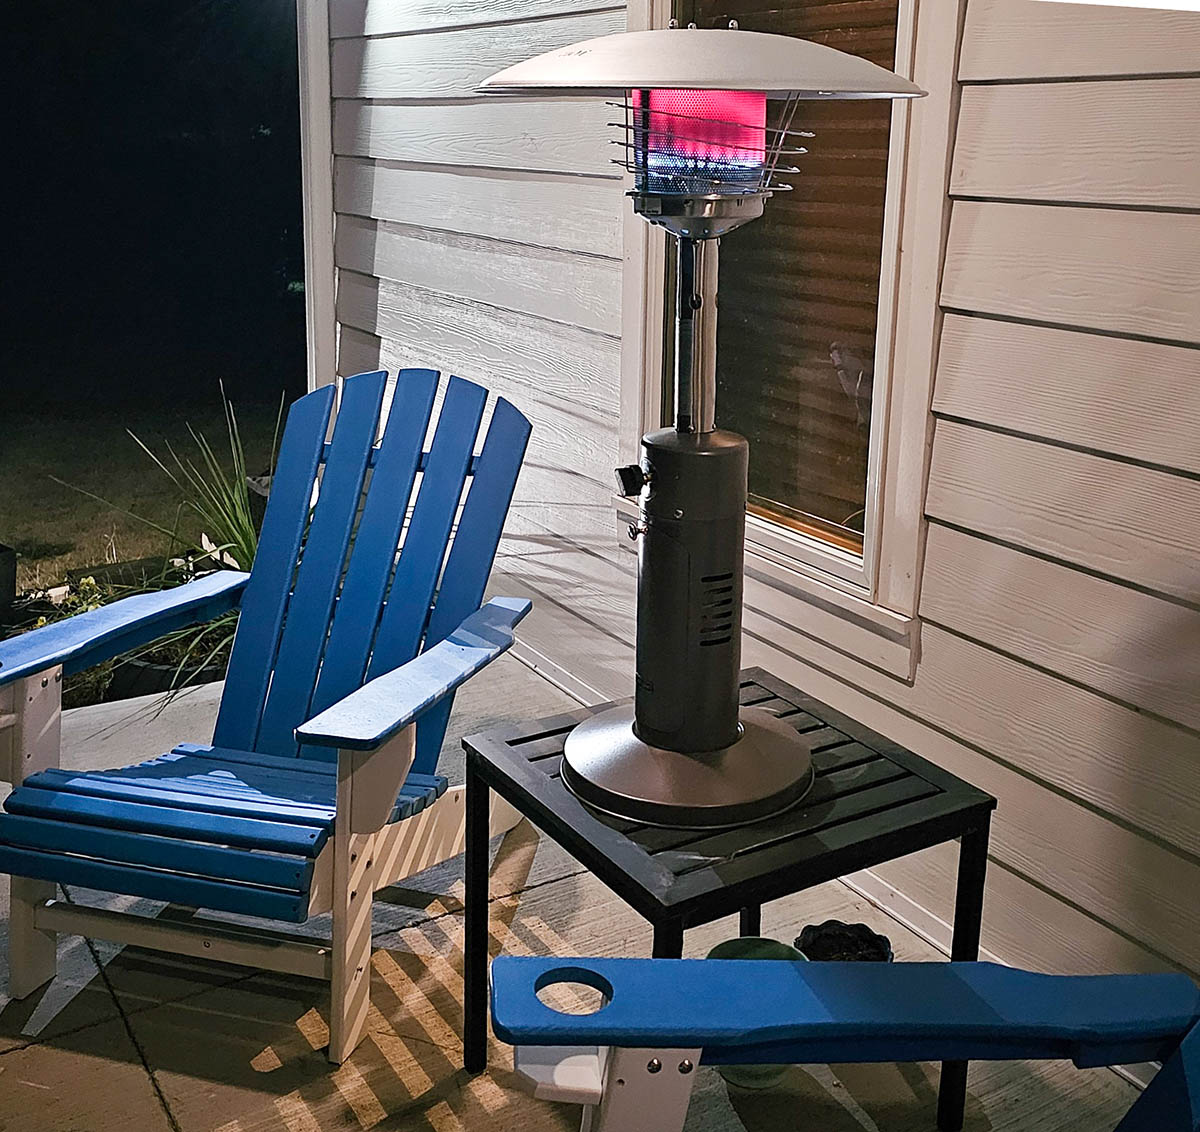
{"type": "Point", "coordinates": [133, 1040]}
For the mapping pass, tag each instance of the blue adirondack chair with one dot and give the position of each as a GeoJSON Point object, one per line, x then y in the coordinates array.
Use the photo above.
{"type": "Point", "coordinates": [631, 1062]}
{"type": "Point", "coordinates": [320, 785]}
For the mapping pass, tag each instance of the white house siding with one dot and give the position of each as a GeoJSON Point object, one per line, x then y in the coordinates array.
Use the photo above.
{"type": "Point", "coordinates": [1059, 647]}
{"type": "Point", "coordinates": [1059, 660]}
{"type": "Point", "coordinates": [483, 237]}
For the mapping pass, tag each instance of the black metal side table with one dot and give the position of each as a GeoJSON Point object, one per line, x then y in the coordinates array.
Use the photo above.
{"type": "Point", "coordinates": [873, 801]}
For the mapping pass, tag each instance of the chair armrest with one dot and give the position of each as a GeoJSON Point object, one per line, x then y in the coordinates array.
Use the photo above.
{"type": "Point", "coordinates": [773, 1011]}
{"type": "Point", "coordinates": [88, 638]}
{"type": "Point", "coordinates": [367, 718]}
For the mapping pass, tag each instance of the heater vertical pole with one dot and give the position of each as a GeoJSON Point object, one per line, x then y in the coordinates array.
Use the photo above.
{"type": "Point", "coordinates": [687, 754]}
{"type": "Point", "coordinates": [696, 335]}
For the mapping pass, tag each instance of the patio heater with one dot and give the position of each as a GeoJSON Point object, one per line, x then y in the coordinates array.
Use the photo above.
{"type": "Point", "coordinates": [693, 133]}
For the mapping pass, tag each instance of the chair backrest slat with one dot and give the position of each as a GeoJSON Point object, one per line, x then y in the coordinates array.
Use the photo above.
{"type": "Point", "coordinates": [266, 593]}
{"type": "Point", "coordinates": [373, 556]}
{"type": "Point", "coordinates": [407, 611]}
{"type": "Point", "coordinates": [472, 553]}
{"type": "Point", "coordinates": [306, 624]}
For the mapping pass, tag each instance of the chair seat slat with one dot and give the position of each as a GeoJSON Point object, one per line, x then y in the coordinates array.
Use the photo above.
{"type": "Point", "coordinates": [162, 796]}
{"type": "Point", "coordinates": [172, 853]}
{"type": "Point", "coordinates": [215, 781]}
{"type": "Point", "coordinates": [140, 816]}
{"type": "Point", "coordinates": [254, 758]}
{"type": "Point", "coordinates": [268, 787]}
{"type": "Point", "coordinates": [195, 892]}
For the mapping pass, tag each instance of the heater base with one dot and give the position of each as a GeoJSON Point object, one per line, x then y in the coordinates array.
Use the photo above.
{"type": "Point", "coordinates": [766, 771]}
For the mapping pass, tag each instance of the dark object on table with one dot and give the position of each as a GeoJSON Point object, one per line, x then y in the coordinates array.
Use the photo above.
{"type": "Point", "coordinates": [840, 942]}
{"type": "Point", "coordinates": [873, 801]}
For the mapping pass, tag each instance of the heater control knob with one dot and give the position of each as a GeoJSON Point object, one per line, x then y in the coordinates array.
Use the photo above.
{"type": "Point", "coordinates": [631, 479]}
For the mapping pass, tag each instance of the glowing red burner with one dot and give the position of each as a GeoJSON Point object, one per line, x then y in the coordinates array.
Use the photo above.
{"type": "Point", "coordinates": [699, 141]}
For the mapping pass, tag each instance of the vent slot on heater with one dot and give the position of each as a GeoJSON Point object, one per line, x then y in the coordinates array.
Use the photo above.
{"type": "Point", "coordinates": [716, 610]}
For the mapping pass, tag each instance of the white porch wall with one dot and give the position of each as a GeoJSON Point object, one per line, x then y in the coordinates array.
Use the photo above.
{"type": "Point", "coordinates": [1059, 659]}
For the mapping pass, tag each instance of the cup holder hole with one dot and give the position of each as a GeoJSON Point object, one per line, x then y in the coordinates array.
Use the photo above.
{"type": "Point", "coordinates": [573, 990]}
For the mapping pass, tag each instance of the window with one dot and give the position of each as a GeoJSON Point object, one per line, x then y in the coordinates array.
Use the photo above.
{"type": "Point", "coordinates": [838, 459]}
{"type": "Point", "coordinates": [800, 302]}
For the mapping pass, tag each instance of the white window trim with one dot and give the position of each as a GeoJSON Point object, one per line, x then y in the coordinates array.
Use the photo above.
{"type": "Point", "coordinates": [867, 607]}
{"type": "Point", "coordinates": [316, 174]}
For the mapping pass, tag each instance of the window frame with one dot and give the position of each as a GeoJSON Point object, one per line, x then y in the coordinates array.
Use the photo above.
{"type": "Point", "coordinates": [797, 579]}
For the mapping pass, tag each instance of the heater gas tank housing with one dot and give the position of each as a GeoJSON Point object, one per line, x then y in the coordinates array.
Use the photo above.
{"type": "Point", "coordinates": [689, 623]}
{"type": "Point", "coordinates": [703, 159]}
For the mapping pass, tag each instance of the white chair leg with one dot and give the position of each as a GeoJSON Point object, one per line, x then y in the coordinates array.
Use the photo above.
{"type": "Point", "coordinates": [367, 785]}
{"type": "Point", "coordinates": [31, 712]}
{"type": "Point", "coordinates": [645, 1090]}
{"type": "Point", "coordinates": [350, 989]}
{"type": "Point", "coordinates": [32, 953]}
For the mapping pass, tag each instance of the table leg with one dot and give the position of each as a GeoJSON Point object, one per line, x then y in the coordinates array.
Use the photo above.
{"type": "Point", "coordinates": [968, 919]}
{"type": "Point", "coordinates": [750, 920]}
{"type": "Point", "coordinates": [668, 940]}
{"type": "Point", "coordinates": [475, 944]}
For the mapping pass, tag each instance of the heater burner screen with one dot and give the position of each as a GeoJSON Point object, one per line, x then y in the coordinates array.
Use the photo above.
{"type": "Point", "coordinates": [698, 141]}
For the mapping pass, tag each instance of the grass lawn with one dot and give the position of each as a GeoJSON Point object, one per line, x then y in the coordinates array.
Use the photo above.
{"type": "Point", "coordinates": [56, 529]}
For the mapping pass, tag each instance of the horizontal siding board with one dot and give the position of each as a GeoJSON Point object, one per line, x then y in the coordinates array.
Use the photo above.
{"type": "Point", "coordinates": [1127, 142]}
{"type": "Point", "coordinates": [451, 64]}
{"type": "Point", "coordinates": [1120, 876]}
{"type": "Point", "coordinates": [1133, 523]}
{"type": "Point", "coordinates": [1029, 39]}
{"type": "Point", "coordinates": [581, 290]}
{"type": "Point", "coordinates": [1140, 769]}
{"type": "Point", "coordinates": [605, 594]}
{"type": "Point", "coordinates": [581, 214]}
{"type": "Point", "coordinates": [561, 136]}
{"type": "Point", "coordinates": [564, 485]}
{"type": "Point", "coordinates": [578, 444]}
{"type": "Point", "coordinates": [573, 594]}
{"type": "Point", "coordinates": [1130, 398]}
{"type": "Point", "coordinates": [577, 366]}
{"type": "Point", "coordinates": [1023, 925]}
{"type": "Point", "coordinates": [1141, 649]}
{"type": "Point", "coordinates": [1104, 269]}
{"type": "Point", "coordinates": [392, 17]}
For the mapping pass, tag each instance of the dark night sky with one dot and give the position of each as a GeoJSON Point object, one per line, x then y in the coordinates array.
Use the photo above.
{"type": "Point", "coordinates": [153, 215]}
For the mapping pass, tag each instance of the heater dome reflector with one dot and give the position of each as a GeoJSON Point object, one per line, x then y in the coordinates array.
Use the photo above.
{"type": "Point", "coordinates": [701, 59]}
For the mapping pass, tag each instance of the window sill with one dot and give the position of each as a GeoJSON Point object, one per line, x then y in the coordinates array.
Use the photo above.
{"type": "Point", "coordinates": [785, 605]}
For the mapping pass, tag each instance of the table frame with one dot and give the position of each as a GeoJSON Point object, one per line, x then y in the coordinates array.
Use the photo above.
{"type": "Point", "coordinates": [671, 908]}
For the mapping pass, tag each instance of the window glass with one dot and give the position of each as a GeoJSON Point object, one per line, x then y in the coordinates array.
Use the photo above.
{"type": "Point", "coordinates": [799, 288]}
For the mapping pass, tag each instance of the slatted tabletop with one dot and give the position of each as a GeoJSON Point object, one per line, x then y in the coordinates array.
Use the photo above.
{"type": "Point", "coordinates": [872, 801]}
